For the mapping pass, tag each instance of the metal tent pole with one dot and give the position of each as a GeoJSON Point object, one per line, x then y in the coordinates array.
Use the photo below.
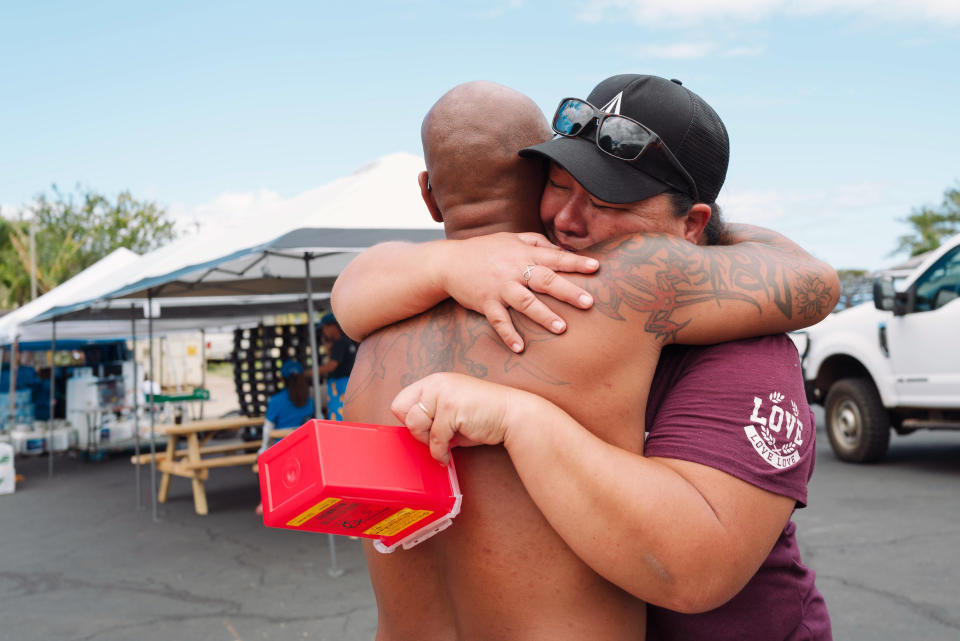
{"type": "Point", "coordinates": [153, 420]}
{"type": "Point", "coordinates": [311, 331]}
{"type": "Point", "coordinates": [136, 403]}
{"type": "Point", "coordinates": [162, 347]}
{"type": "Point", "coordinates": [311, 319]}
{"type": "Point", "coordinates": [14, 347]}
{"type": "Point", "coordinates": [203, 361]}
{"type": "Point", "coordinates": [333, 570]}
{"type": "Point", "coordinates": [53, 390]}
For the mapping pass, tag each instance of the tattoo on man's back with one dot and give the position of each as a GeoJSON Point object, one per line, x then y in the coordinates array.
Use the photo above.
{"type": "Point", "coordinates": [443, 340]}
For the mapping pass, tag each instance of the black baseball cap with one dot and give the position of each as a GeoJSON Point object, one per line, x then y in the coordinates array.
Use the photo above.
{"type": "Point", "coordinates": [684, 121]}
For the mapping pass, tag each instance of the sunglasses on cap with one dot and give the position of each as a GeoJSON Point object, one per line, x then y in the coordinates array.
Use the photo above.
{"type": "Point", "coordinates": [619, 136]}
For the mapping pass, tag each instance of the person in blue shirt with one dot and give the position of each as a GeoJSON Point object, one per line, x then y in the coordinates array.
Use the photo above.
{"type": "Point", "coordinates": [290, 407]}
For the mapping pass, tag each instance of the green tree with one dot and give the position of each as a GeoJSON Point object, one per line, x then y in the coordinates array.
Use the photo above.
{"type": "Point", "coordinates": [931, 225]}
{"type": "Point", "coordinates": [13, 276]}
{"type": "Point", "coordinates": [72, 232]}
{"type": "Point", "coordinates": [856, 287]}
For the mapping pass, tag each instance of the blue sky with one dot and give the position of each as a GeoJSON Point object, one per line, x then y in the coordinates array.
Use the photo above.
{"type": "Point", "coordinates": [843, 115]}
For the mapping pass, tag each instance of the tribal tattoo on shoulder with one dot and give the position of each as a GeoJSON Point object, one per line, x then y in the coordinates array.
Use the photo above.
{"type": "Point", "coordinates": [658, 274]}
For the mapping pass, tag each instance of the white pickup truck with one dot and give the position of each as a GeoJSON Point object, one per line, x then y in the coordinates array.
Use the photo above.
{"type": "Point", "coordinates": [890, 364]}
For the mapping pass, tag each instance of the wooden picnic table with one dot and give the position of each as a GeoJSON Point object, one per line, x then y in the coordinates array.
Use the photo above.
{"type": "Point", "coordinates": [195, 460]}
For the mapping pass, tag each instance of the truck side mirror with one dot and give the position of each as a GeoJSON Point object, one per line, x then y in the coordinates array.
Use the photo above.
{"type": "Point", "coordinates": [883, 293]}
{"type": "Point", "coordinates": [886, 298]}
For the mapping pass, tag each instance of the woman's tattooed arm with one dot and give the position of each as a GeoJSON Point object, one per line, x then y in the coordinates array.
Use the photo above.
{"type": "Point", "coordinates": [676, 284]}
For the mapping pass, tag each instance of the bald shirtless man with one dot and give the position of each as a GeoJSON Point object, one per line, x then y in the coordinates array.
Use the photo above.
{"type": "Point", "coordinates": [501, 571]}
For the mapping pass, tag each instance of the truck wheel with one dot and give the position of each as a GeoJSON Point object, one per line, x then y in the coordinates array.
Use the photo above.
{"type": "Point", "coordinates": [857, 423]}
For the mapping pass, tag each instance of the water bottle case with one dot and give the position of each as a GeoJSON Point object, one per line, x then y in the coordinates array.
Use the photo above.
{"type": "Point", "coordinates": [371, 481]}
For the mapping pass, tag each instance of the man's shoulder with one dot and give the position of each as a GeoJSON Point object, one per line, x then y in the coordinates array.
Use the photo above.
{"type": "Point", "coordinates": [399, 354]}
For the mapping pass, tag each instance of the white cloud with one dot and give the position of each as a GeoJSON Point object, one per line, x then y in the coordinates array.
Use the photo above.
{"type": "Point", "coordinates": [766, 206]}
{"type": "Point", "coordinates": [384, 193]}
{"type": "Point", "coordinates": [849, 225]}
{"type": "Point", "coordinates": [919, 42]}
{"type": "Point", "coordinates": [692, 50]}
{"type": "Point", "coordinates": [677, 50]}
{"type": "Point", "coordinates": [753, 206]}
{"type": "Point", "coordinates": [695, 11]}
{"type": "Point", "coordinates": [742, 52]}
{"type": "Point", "coordinates": [492, 11]}
{"type": "Point", "coordinates": [224, 210]}
{"type": "Point", "coordinates": [657, 11]}
{"type": "Point", "coordinates": [925, 10]}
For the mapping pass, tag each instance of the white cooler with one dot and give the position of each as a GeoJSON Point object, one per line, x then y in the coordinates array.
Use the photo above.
{"type": "Point", "coordinates": [28, 441]}
{"type": "Point", "coordinates": [7, 473]}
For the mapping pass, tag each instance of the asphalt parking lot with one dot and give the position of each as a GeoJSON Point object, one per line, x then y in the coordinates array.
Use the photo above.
{"type": "Point", "coordinates": [79, 562]}
{"type": "Point", "coordinates": [885, 539]}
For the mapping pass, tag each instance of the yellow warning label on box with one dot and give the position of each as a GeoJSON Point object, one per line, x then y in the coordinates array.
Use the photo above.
{"type": "Point", "coordinates": [312, 512]}
{"type": "Point", "coordinates": [398, 522]}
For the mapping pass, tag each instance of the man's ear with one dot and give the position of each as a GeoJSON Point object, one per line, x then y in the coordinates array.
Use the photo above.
{"type": "Point", "coordinates": [426, 192]}
{"type": "Point", "coordinates": [695, 222]}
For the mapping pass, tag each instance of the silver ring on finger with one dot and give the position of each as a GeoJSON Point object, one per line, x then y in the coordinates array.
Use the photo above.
{"type": "Point", "coordinates": [527, 273]}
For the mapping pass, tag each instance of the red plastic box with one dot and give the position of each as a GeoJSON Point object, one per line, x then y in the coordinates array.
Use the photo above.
{"type": "Point", "coordinates": [372, 481]}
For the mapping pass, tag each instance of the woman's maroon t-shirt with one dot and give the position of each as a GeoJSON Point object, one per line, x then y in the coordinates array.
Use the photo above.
{"type": "Point", "coordinates": [740, 407]}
